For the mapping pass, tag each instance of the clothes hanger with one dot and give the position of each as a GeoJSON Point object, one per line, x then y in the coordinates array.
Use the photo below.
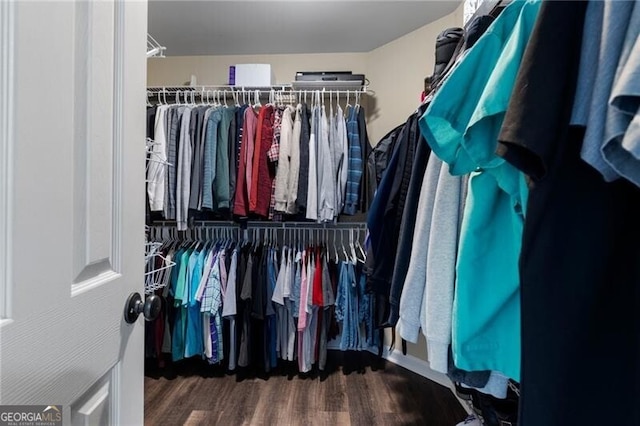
{"type": "Point", "coordinates": [164, 97]}
{"type": "Point", "coordinates": [235, 97]}
{"type": "Point", "coordinates": [361, 249]}
{"type": "Point", "coordinates": [330, 103]}
{"type": "Point", "coordinates": [344, 250]}
{"type": "Point", "coordinates": [355, 252]}
{"type": "Point", "coordinates": [256, 99]}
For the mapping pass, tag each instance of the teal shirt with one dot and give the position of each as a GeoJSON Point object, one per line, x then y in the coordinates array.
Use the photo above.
{"type": "Point", "coordinates": [194, 344]}
{"type": "Point", "coordinates": [462, 125]}
{"type": "Point", "coordinates": [179, 328]}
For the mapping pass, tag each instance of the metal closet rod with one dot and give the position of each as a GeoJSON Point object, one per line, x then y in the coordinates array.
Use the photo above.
{"type": "Point", "coordinates": [270, 225]}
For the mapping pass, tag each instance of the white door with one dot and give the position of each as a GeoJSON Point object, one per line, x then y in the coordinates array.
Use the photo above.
{"type": "Point", "coordinates": [72, 95]}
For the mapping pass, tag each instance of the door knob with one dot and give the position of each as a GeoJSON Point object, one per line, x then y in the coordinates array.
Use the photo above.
{"type": "Point", "coordinates": [150, 308]}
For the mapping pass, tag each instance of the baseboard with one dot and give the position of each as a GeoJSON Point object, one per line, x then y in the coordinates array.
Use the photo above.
{"type": "Point", "coordinates": [415, 365]}
{"type": "Point", "coordinates": [421, 367]}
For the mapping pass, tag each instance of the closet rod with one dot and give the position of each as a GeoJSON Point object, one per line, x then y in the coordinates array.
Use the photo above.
{"type": "Point", "coordinates": [270, 225]}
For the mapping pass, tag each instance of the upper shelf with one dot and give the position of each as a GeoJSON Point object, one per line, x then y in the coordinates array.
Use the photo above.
{"type": "Point", "coordinates": [153, 48]}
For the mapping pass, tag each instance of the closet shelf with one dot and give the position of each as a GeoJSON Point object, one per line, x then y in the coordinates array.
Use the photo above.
{"type": "Point", "coordinates": [296, 88]}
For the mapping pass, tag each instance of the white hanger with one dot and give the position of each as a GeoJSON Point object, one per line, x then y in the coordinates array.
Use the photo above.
{"type": "Point", "coordinates": [344, 250]}
{"type": "Point", "coordinates": [256, 99]}
{"type": "Point", "coordinates": [235, 97]}
{"type": "Point", "coordinates": [331, 103]}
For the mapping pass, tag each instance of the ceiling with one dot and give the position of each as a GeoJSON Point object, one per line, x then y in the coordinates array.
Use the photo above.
{"type": "Point", "coordinates": [279, 27]}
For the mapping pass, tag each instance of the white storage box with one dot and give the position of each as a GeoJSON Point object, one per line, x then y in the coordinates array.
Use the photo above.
{"type": "Point", "coordinates": [253, 75]}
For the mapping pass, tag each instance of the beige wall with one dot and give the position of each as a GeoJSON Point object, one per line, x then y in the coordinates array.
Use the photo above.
{"type": "Point", "coordinates": [396, 73]}
{"type": "Point", "coordinates": [214, 70]}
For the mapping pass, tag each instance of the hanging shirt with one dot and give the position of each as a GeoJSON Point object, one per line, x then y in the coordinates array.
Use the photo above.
{"type": "Point", "coordinates": [294, 164]}
{"type": "Point", "coordinates": [210, 162]}
{"type": "Point", "coordinates": [183, 184]}
{"type": "Point", "coordinates": [303, 174]}
{"type": "Point", "coordinates": [222, 195]}
{"type": "Point", "coordinates": [157, 161]}
{"type": "Point", "coordinates": [245, 167]}
{"type": "Point", "coordinates": [284, 160]}
{"type": "Point", "coordinates": [278, 292]}
{"type": "Point", "coordinates": [461, 125]}
{"type": "Point", "coordinates": [342, 155]}
{"type": "Point", "coordinates": [601, 147]}
{"type": "Point", "coordinates": [193, 339]}
{"type": "Point", "coordinates": [229, 297]}
{"type": "Point", "coordinates": [273, 155]}
{"type": "Point", "coordinates": [347, 308]}
{"type": "Point", "coordinates": [622, 134]}
{"type": "Point", "coordinates": [355, 164]}
{"type": "Point", "coordinates": [326, 173]}
{"type": "Point", "coordinates": [302, 303]}
{"type": "Point", "coordinates": [297, 284]}
{"type": "Point", "coordinates": [317, 292]}
{"type": "Point", "coordinates": [235, 144]}
{"type": "Point", "coordinates": [195, 133]}
{"type": "Point", "coordinates": [175, 115]}
{"type": "Point", "coordinates": [208, 264]}
{"type": "Point", "coordinates": [312, 186]}
{"type": "Point", "coordinates": [260, 189]}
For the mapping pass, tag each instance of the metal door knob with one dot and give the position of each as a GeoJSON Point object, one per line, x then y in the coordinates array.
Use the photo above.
{"type": "Point", "coordinates": [150, 308]}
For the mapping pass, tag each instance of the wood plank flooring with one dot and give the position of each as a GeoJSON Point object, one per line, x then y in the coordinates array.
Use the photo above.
{"type": "Point", "coordinates": [190, 393]}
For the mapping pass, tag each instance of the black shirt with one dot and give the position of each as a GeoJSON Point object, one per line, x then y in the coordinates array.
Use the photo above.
{"type": "Point", "coordinates": [580, 259]}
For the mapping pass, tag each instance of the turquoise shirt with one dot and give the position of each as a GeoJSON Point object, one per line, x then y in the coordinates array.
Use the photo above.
{"type": "Point", "coordinates": [462, 125]}
{"type": "Point", "coordinates": [180, 303]}
{"type": "Point", "coordinates": [193, 344]}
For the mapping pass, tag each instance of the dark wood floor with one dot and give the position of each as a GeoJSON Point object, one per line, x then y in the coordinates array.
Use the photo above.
{"type": "Point", "coordinates": [381, 394]}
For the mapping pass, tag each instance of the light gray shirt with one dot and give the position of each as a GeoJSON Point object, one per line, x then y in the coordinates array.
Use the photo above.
{"type": "Point", "coordinates": [183, 184]}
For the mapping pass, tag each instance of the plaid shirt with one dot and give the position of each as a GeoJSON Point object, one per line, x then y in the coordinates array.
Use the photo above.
{"type": "Point", "coordinates": [274, 155]}
{"type": "Point", "coordinates": [354, 171]}
{"type": "Point", "coordinates": [274, 151]}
